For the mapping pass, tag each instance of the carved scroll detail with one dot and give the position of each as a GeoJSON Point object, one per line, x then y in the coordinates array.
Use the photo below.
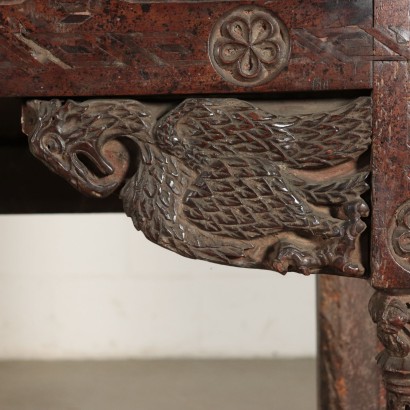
{"type": "Point", "coordinates": [400, 236]}
{"type": "Point", "coordinates": [391, 313]}
{"type": "Point", "coordinates": [220, 179]}
{"type": "Point", "coordinates": [249, 46]}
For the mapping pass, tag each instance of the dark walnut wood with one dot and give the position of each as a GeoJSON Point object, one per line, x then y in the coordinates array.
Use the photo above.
{"type": "Point", "coordinates": [391, 197]}
{"type": "Point", "coordinates": [120, 47]}
{"type": "Point", "coordinates": [249, 46]}
{"type": "Point", "coordinates": [349, 375]}
{"type": "Point", "coordinates": [391, 151]}
{"type": "Point", "coordinates": [273, 200]}
{"type": "Point", "coordinates": [219, 179]}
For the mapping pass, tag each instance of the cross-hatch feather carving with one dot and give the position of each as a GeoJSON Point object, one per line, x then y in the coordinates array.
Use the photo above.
{"type": "Point", "coordinates": [220, 179]}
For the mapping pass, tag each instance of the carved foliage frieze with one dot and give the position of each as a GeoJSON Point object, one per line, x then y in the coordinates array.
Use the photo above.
{"type": "Point", "coordinates": [249, 46]}
{"type": "Point", "coordinates": [220, 179]}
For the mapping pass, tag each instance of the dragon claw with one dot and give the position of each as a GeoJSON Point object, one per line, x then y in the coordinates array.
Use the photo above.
{"type": "Point", "coordinates": [347, 267]}
{"type": "Point", "coordinates": [287, 257]}
{"type": "Point", "coordinates": [351, 269]}
{"type": "Point", "coordinates": [360, 226]}
{"type": "Point", "coordinates": [356, 209]}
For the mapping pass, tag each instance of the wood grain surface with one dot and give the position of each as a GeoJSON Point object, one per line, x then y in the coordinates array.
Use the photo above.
{"type": "Point", "coordinates": [349, 377]}
{"type": "Point", "coordinates": [391, 146]}
{"type": "Point", "coordinates": [119, 47]}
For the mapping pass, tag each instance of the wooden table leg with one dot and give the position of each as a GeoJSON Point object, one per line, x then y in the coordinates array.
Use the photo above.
{"type": "Point", "coordinates": [347, 345]}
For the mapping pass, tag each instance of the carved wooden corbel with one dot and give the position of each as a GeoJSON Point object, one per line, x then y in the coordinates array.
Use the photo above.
{"type": "Point", "coordinates": [220, 179]}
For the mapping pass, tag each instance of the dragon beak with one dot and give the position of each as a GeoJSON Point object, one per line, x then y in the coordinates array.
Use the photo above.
{"type": "Point", "coordinates": [107, 173]}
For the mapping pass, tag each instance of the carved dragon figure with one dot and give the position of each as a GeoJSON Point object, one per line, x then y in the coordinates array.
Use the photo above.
{"type": "Point", "coordinates": [219, 179]}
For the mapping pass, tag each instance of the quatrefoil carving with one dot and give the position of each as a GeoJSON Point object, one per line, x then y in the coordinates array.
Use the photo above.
{"type": "Point", "coordinates": [249, 46]}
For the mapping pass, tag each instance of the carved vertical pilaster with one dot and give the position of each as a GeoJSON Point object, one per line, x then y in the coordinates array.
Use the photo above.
{"type": "Point", "coordinates": [391, 313]}
{"type": "Point", "coordinates": [390, 266]}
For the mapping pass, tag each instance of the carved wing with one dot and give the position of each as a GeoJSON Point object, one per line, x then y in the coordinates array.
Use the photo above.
{"type": "Point", "coordinates": [246, 198]}
{"type": "Point", "coordinates": [241, 155]}
{"type": "Point", "coordinates": [213, 128]}
{"type": "Point", "coordinates": [152, 197]}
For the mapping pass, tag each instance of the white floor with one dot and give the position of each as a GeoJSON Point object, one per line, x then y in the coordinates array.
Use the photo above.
{"type": "Point", "coordinates": [159, 385]}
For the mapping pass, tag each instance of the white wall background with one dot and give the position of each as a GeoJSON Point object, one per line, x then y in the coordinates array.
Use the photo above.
{"type": "Point", "coordinates": [90, 286]}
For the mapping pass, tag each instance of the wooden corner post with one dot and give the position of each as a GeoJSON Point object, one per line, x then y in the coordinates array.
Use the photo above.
{"type": "Point", "coordinates": [389, 307]}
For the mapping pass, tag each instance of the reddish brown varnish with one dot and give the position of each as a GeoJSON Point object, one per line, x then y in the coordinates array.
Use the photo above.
{"type": "Point", "coordinates": [391, 145]}
{"type": "Point", "coordinates": [63, 48]}
{"type": "Point", "coordinates": [349, 377]}
{"type": "Point", "coordinates": [127, 48]}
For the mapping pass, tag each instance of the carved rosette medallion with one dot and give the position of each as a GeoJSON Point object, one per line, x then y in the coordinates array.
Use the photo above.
{"type": "Point", "coordinates": [400, 236]}
{"type": "Point", "coordinates": [249, 46]}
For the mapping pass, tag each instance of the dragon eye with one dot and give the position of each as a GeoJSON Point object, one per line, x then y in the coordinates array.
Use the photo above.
{"type": "Point", "coordinates": [53, 144]}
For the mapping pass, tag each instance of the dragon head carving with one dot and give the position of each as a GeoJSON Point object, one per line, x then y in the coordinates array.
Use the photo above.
{"type": "Point", "coordinates": [85, 142]}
